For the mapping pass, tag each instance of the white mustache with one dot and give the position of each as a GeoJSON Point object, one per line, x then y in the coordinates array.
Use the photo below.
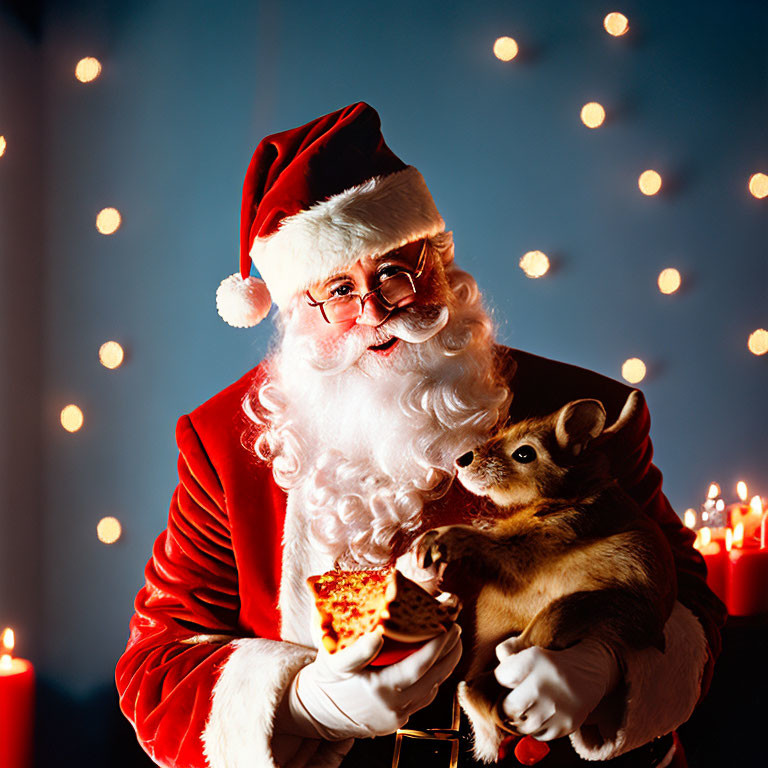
{"type": "Point", "coordinates": [413, 326]}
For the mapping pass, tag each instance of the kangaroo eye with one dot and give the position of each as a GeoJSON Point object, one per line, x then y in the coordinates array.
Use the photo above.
{"type": "Point", "coordinates": [525, 454]}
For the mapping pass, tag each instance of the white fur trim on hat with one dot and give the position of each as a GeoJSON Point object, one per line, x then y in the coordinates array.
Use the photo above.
{"type": "Point", "coordinates": [243, 303]}
{"type": "Point", "coordinates": [383, 213]}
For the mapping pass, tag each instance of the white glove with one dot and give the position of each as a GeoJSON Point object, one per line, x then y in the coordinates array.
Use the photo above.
{"type": "Point", "coordinates": [553, 692]}
{"type": "Point", "coordinates": [338, 696]}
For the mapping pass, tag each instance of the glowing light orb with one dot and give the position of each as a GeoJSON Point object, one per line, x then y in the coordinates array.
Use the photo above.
{"type": "Point", "coordinates": [71, 418]}
{"type": "Point", "coordinates": [616, 24]}
{"type": "Point", "coordinates": [9, 640]}
{"type": "Point", "coordinates": [741, 490]}
{"type": "Point", "coordinates": [669, 280]}
{"type": "Point", "coordinates": [592, 114]}
{"type": "Point", "coordinates": [3, 145]}
{"type": "Point", "coordinates": [505, 48]}
{"type": "Point", "coordinates": [534, 264]}
{"type": "Point", "coordinates": [758, 342]}
{"type": "Point", "coordinates": [633, 370]}
{"type": "Point", "coordinates": [111, 354]}
{"type": "Point", "coordinates": [649, 182]}
{"type": "Point", "coordinates": [758, 184]}
{"type": "Point", "coordinates": [108, 221]}
{"type": "Point", "coordinates": [109, 530]}
{"type": "Point", "coordinates": [87, 69]}
{"type": "Point", "coordinates": [714, 491]}
{"type": "Point", "coordinates": [689, 518]}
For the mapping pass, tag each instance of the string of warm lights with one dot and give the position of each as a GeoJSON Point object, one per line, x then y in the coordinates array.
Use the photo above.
{"type": "Point", "coordinates": [535, 264]}
{"type": "Point", "coordinates": [111, 353]}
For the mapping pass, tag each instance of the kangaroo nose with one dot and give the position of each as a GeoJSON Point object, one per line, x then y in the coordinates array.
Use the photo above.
{"type": "Point", "coordinates": [465, 459]}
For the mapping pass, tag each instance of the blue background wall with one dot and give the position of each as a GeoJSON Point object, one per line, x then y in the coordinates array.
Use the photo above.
{"type": "Point", "coordinates": [165, 135]}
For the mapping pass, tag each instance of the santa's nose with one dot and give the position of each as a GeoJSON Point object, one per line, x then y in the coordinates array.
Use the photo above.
{"type": "Point", "coordinates": [374, 312]}
{"type": "Point", "coordinates": [465, 459]}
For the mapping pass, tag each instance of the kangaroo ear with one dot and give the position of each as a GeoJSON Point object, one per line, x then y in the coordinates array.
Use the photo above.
{"type": "Point", "coordinates": [578, 423]}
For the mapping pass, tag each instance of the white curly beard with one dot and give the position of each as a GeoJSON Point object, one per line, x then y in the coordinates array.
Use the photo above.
{"type": "Point", "coordinates": [369, 439]}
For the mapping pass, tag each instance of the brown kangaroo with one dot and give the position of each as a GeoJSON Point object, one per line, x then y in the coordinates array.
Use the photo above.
{"type": "Point", "coordinates": [563, 553]}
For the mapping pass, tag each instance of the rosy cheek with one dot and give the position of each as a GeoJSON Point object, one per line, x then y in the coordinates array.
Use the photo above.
{"type": "Point", "coordinates": [326, 336]}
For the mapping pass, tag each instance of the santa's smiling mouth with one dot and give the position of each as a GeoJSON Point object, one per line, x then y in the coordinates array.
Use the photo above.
{"type": "Point", "coordinates": [386, 346]}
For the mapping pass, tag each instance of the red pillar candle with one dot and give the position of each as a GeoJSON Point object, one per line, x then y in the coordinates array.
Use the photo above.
{"type": "Point", "coordinates": [716, 560]}
{"type": "Point", "coordinates": [17, 704]}
{"type": "Point", "coordinates": [747, 589]}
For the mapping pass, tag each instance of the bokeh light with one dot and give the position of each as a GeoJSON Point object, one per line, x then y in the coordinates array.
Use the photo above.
{"type": "Point", "coordinates": [3, 145]}
{"type": "Point", "coordinates": [108, 221]}
{"type": "Point", "coordinates": [633, 370]}
{"type": "Point", "coordinates": [669, 280]}
{"type": "Point", "coordinates": [742, 491]}
{"type": "Point", "coordinates": [505, 48]}
{"type": "Point", "coordinates": [87, 69]}
{"type": "Point", "coordinates": [758, 342]}
{"type": "Point", "coordinates": [714, 491]}
{"type": "Point", "coordinates": [71, 418]}
{"type": "Point", "coordinates": [592, 114]}
{"type": "Point", "coordinates": [534, 264]}
{"type": "Point", "coordinates": [616, 24]}
{"type": "Point", "coordinates": [649, 182]}
{"type": "Point", "coordinates": [689, 518]}
{"type": "Point", "coordinates": [758, 185]}
{"type": "Point", "coordinates": [111, 354]}
{"type": "Point", "coordinates": [109, 530]}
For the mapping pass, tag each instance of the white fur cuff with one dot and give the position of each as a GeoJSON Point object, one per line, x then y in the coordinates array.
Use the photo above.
{"type": "Point", "coordinates": [661, 691]}
{"type": "Point", "coordinates": [238, 733]}
{"type": "Point", "coordinates": [383, 213]}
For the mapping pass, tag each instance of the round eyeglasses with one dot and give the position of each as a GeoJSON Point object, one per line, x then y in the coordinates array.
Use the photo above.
{"type": "Point", "coordinates": [391, 292]}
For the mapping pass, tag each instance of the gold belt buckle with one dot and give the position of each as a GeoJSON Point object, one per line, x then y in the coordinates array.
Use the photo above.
{"type": "Point", "coordinates": [436, 734]}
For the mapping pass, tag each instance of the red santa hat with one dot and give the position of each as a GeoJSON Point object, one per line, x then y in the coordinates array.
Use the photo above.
{"type": "Point", "coordinates": [315, 200]}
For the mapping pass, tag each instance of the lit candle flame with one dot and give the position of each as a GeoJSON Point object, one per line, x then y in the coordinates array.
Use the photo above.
{"type": "Point", "coordinates": [8, 643]}
{"type": "Point", "coordinates": [719, 505]}
{"type": "Point", "coordinates": [738, 535]}
{"type": "Point", "coordinates": [706, 536]}
{"type": "Point", "coordinates": [689, 518]}
{"type": "Point", "coordinates": [8, 640]}
{"type": "Point", "coordinates": [714, 491]}
{"type": "Point", "coordinates": [741, 490]}
{"type": "Point", "coordinates": [728, 539]}
{"type": "Point", "coordinates": [756, 505]}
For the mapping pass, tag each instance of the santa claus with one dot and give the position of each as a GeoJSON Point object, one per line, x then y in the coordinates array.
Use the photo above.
{"type": "Point", "coordinates": [339, 449]}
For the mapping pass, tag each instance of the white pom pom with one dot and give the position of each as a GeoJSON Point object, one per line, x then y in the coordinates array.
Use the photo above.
{"type": "Point", "coordinates": [243, 303]}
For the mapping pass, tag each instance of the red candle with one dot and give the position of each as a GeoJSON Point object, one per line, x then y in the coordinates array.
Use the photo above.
{"type": "Point", "coordinates": [747, 591]}
{"type": "Point", "coordinates": [17, 703]}
{"type": "Point", "coordinates": [716, 560]}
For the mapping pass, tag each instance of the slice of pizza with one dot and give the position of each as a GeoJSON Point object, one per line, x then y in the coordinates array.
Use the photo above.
{"type": "Point", "coordinates": [351, 603]}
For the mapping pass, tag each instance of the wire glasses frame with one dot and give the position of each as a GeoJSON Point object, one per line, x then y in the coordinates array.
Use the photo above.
{"type": "Point", "coordinates": [391, 292]}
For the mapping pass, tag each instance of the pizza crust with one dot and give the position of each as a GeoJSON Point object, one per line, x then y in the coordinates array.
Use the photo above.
{"type": "Point", "coordinates": [349, 604]}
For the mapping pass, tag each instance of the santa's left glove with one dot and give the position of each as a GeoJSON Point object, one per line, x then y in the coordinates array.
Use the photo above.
{"type": "Point", "coordinates": [553, 692]}
{"type": "Point", "coordinates": [338, 696]}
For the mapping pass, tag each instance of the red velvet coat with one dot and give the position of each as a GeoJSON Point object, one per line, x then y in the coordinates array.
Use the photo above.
{"type": "Point", "coordinates": [206, 664]}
